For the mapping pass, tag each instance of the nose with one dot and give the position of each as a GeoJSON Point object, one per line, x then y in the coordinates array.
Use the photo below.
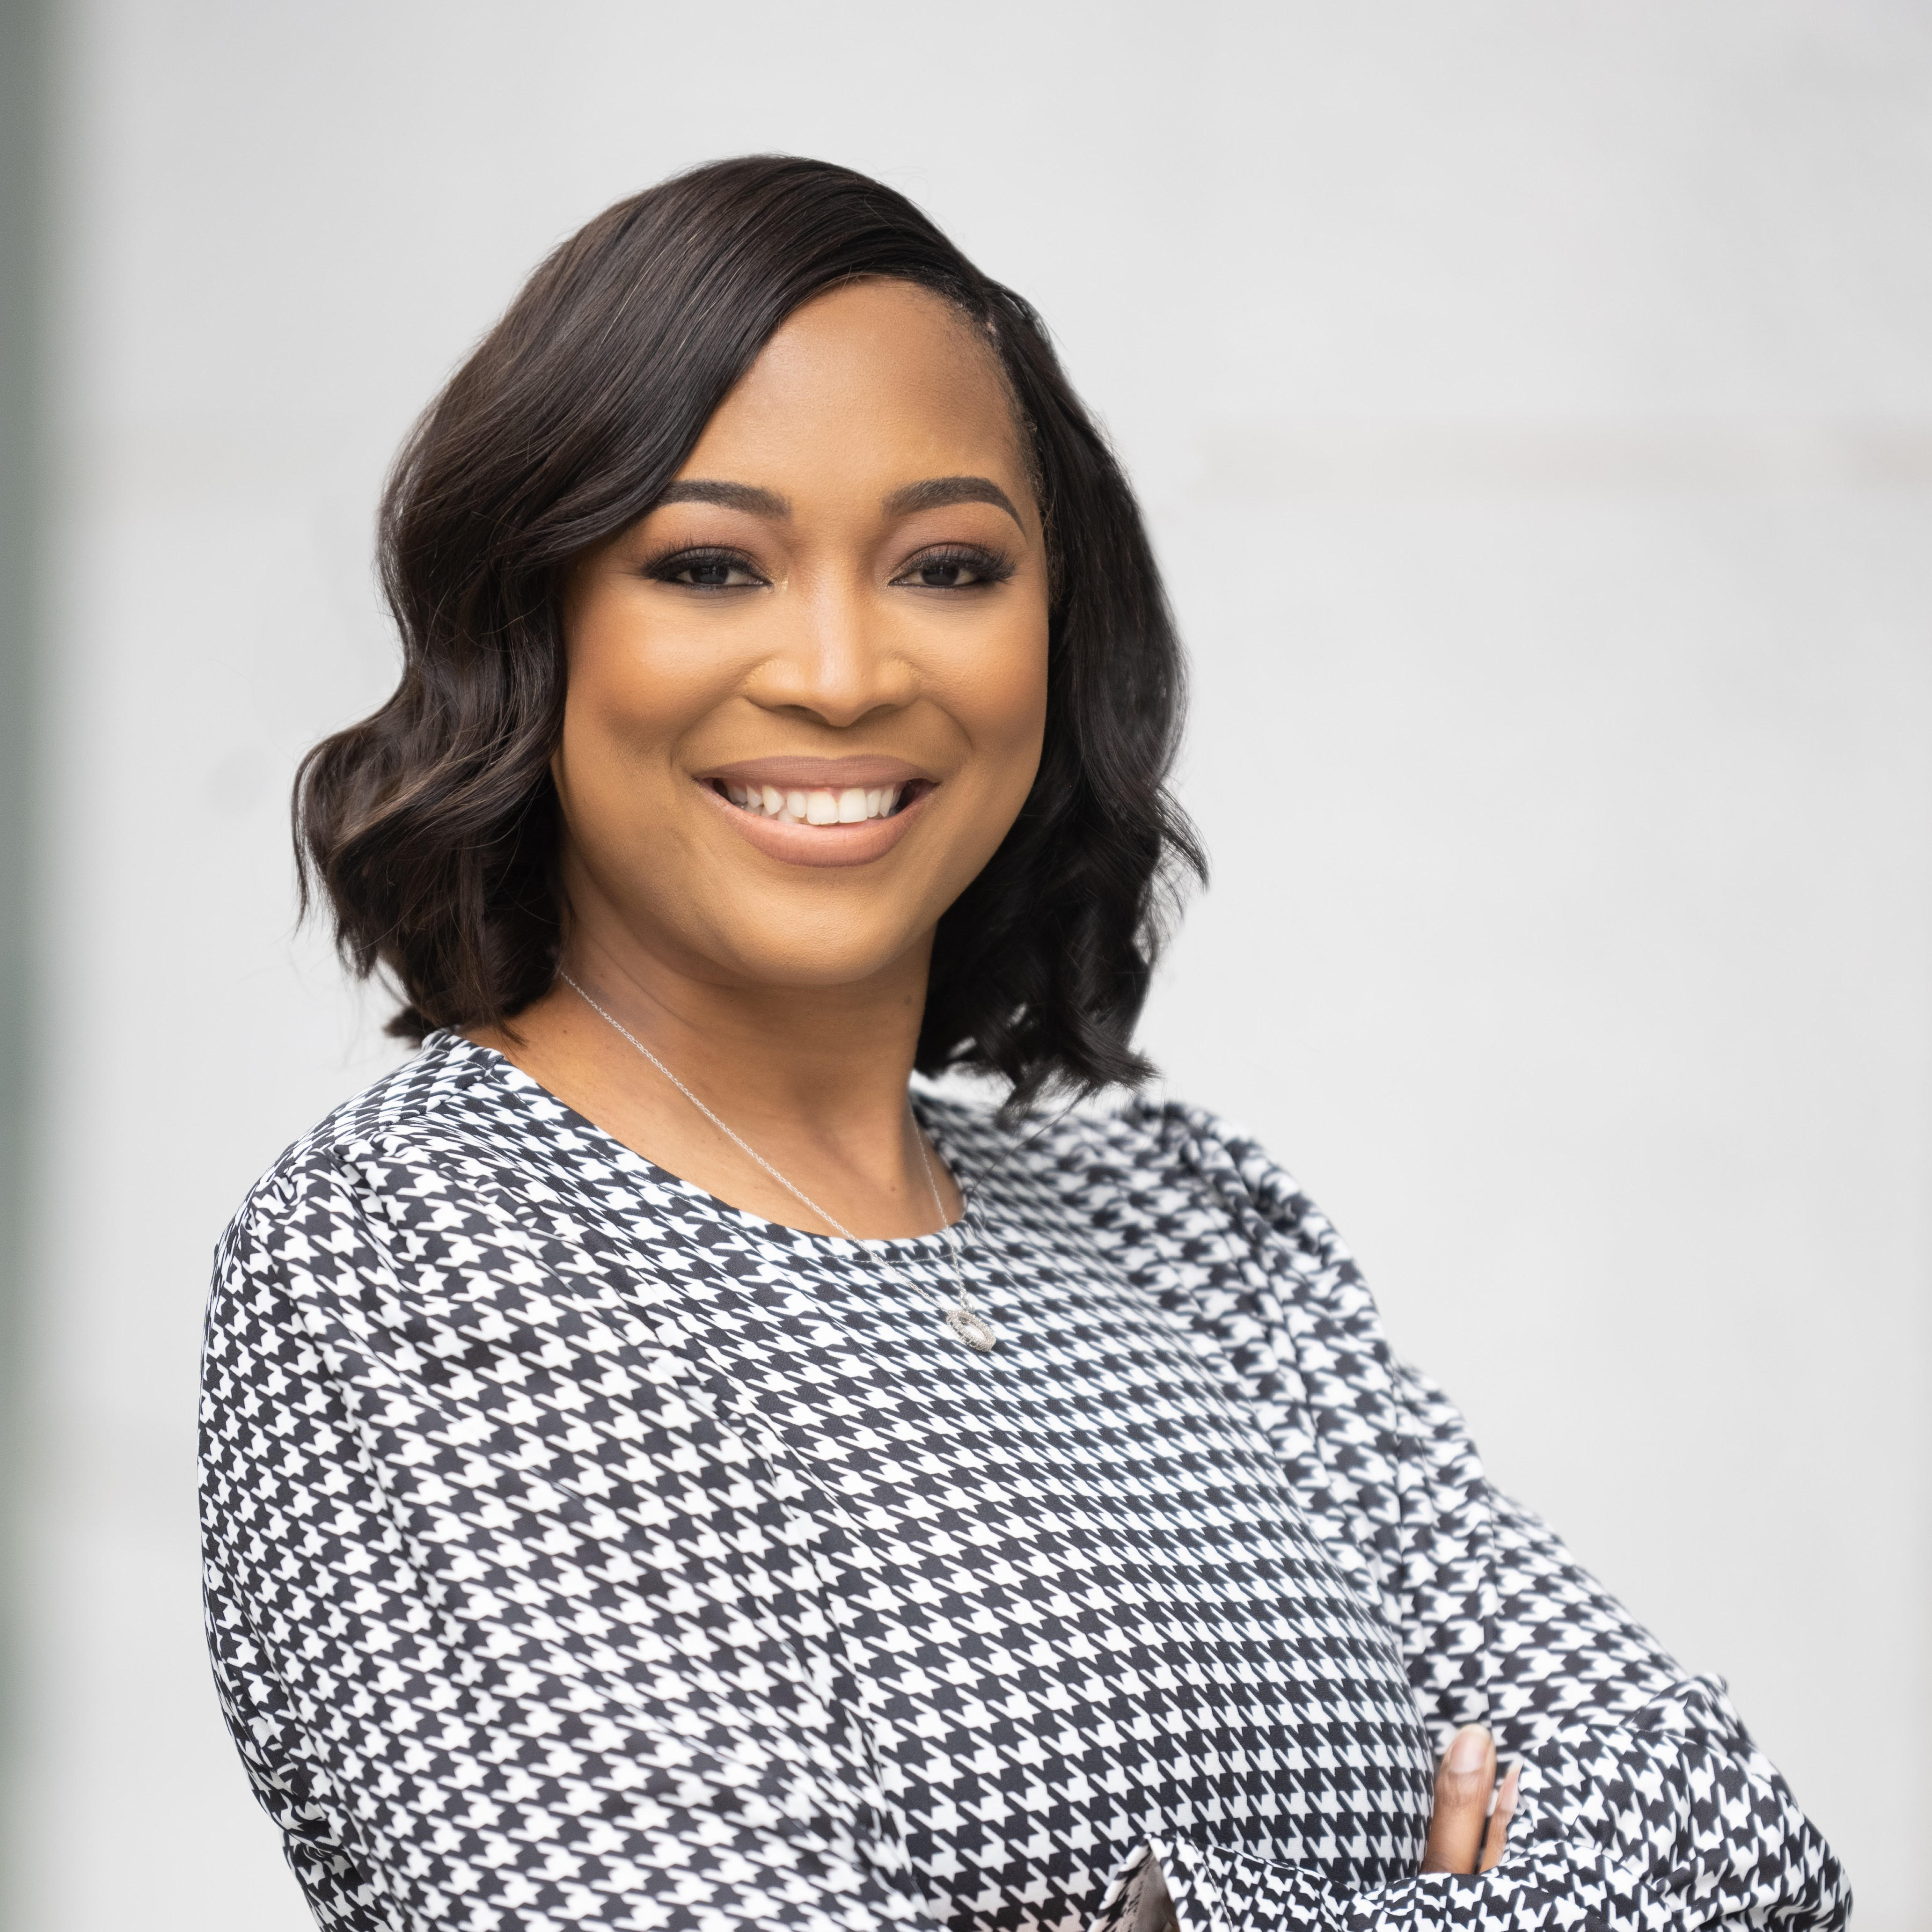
{"type": "Point", "coordinates": [836, 660]}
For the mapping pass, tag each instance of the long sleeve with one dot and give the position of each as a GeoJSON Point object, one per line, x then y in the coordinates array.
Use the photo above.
{"type": "Point", "coordinates": [1645, 1803]}
{"type": "Point", "coordinates": [583, 1553]}
{"type": "Point", "coordinates": [501, 1605]}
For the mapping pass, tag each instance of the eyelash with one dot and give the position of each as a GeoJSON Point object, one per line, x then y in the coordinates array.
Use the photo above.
{"type": "Point", "coordinates": [988, 567]}
{"type": "Point", "coordinates": [665, 569]}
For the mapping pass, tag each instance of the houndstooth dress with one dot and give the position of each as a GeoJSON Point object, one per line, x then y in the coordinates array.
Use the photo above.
{"type": "Point", "coordinates": [582, 1552]}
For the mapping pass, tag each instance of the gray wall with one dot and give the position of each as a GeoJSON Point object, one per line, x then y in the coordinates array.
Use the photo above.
{"type": "Point", "coordinates": [1534, 407]}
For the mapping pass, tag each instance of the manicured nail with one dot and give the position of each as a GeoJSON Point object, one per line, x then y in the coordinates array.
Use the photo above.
{"type": "Point", "coordinates": [1469, 1749]}
{"type": "Point", "coordinates": [1506, 1794]}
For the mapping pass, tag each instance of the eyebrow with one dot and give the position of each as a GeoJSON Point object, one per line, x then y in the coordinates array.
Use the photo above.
{"type": "Point", "coordinates": [937, 492]}
{"type": "Point", "coordinates": [934, 493]}
{"type": "Point", "coordinates": [745, 496]}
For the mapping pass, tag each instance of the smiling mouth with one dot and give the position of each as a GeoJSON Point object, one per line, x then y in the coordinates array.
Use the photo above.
{"type": "Point", "coordinates": [852, 804]}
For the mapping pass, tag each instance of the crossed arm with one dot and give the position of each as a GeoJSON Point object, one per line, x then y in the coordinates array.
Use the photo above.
{"type": "Point", "coordinates": [1634, 1797]}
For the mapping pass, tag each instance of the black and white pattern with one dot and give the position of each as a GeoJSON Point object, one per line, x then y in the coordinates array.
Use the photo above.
{"type": "Point", "coordinates": [582, 1553]}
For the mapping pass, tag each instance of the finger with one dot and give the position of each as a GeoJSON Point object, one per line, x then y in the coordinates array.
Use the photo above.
{"type": "Point", "coordinates": [1462, 1788]}
{"type": "Point", "coordinates": [1497, 1837]}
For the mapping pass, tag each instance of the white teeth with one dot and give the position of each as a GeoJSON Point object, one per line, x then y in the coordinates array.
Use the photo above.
{"type": "Point", "coordinates": [852, 806]}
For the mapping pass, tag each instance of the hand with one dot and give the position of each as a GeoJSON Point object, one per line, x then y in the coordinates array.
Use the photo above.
{"type": "Point", "coordinates": [1461, 1825]}
{"type": "Point", "coordinates": [1465, 1835]}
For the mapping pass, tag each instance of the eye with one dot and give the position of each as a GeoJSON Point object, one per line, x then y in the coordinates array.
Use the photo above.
{"type": "Point", "coordinates": [707, 570]}
{"type": "Point", "coordinates": [954, 568]}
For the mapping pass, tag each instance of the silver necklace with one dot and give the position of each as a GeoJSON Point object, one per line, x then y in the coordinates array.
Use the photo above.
{"type": "Point", "coordinates": [965, 1322]}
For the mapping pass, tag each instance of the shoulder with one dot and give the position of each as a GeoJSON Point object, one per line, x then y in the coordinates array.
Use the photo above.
{"type": "Point", "coordinates": [1224, 1239]}
{"type": "Point", "coordinates": [439, 1179]}
{"type": "Point", "coordinates": [446, 1106]}
{"type": "Point", "coordinates": [1157, 1174]}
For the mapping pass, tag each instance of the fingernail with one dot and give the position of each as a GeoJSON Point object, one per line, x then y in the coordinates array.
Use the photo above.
{"type": "Point", "coordinates": [1469, 1749]}
{"type": "Point", "coordinates": [1506, 1793]}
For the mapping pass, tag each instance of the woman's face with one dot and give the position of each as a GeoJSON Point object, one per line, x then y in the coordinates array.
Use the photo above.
{"type": "Point", "coordinates": [806, 694]}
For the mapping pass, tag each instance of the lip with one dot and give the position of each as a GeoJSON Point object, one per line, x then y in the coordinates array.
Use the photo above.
{"type": "Point", "coordinates": [832, 775]}
{"type": "Point", "coordinates": [819, 845]}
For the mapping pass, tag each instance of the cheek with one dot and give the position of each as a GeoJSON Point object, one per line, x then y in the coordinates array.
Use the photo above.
{"type": "Point", "coordinates": [1001, 700]}
{"type": "Point", "coordinates": [627, 703]}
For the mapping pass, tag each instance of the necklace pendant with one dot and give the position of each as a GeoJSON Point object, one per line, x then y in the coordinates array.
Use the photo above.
{"type": "Point", "coordinates": [975, 1330]}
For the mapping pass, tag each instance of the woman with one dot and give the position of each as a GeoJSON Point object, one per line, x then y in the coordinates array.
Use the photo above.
{"type": "Point", "coordinates": [658, 1474]}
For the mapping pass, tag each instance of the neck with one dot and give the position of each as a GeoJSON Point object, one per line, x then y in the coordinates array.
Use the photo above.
{"type": "Point", "coordinates": [813, 1079]}
{"type": "Point", "coordinates": [823, 1058]}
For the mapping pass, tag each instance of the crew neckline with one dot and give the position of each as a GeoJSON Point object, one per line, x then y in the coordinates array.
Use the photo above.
{"type": "Point", "coordinates": [526, 1088]}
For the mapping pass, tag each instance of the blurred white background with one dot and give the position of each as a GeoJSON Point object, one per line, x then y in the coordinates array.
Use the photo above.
{"type": "Point", "coordinates": [1533, 405]}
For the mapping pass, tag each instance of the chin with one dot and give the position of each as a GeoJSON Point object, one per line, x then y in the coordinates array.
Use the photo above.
{"type": "Point", "coordinates": [802, 959]}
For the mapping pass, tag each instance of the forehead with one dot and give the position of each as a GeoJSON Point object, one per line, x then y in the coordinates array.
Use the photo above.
{"type": "Point", "coordinates": [878, 374]}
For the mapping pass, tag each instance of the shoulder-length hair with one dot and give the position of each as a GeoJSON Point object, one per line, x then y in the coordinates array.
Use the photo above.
{"type": "Point", "coordinates": [432, 828]}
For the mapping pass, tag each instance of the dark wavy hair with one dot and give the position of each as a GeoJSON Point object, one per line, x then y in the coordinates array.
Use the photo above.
{"type": "Point", "coordinates": [431, 828]}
